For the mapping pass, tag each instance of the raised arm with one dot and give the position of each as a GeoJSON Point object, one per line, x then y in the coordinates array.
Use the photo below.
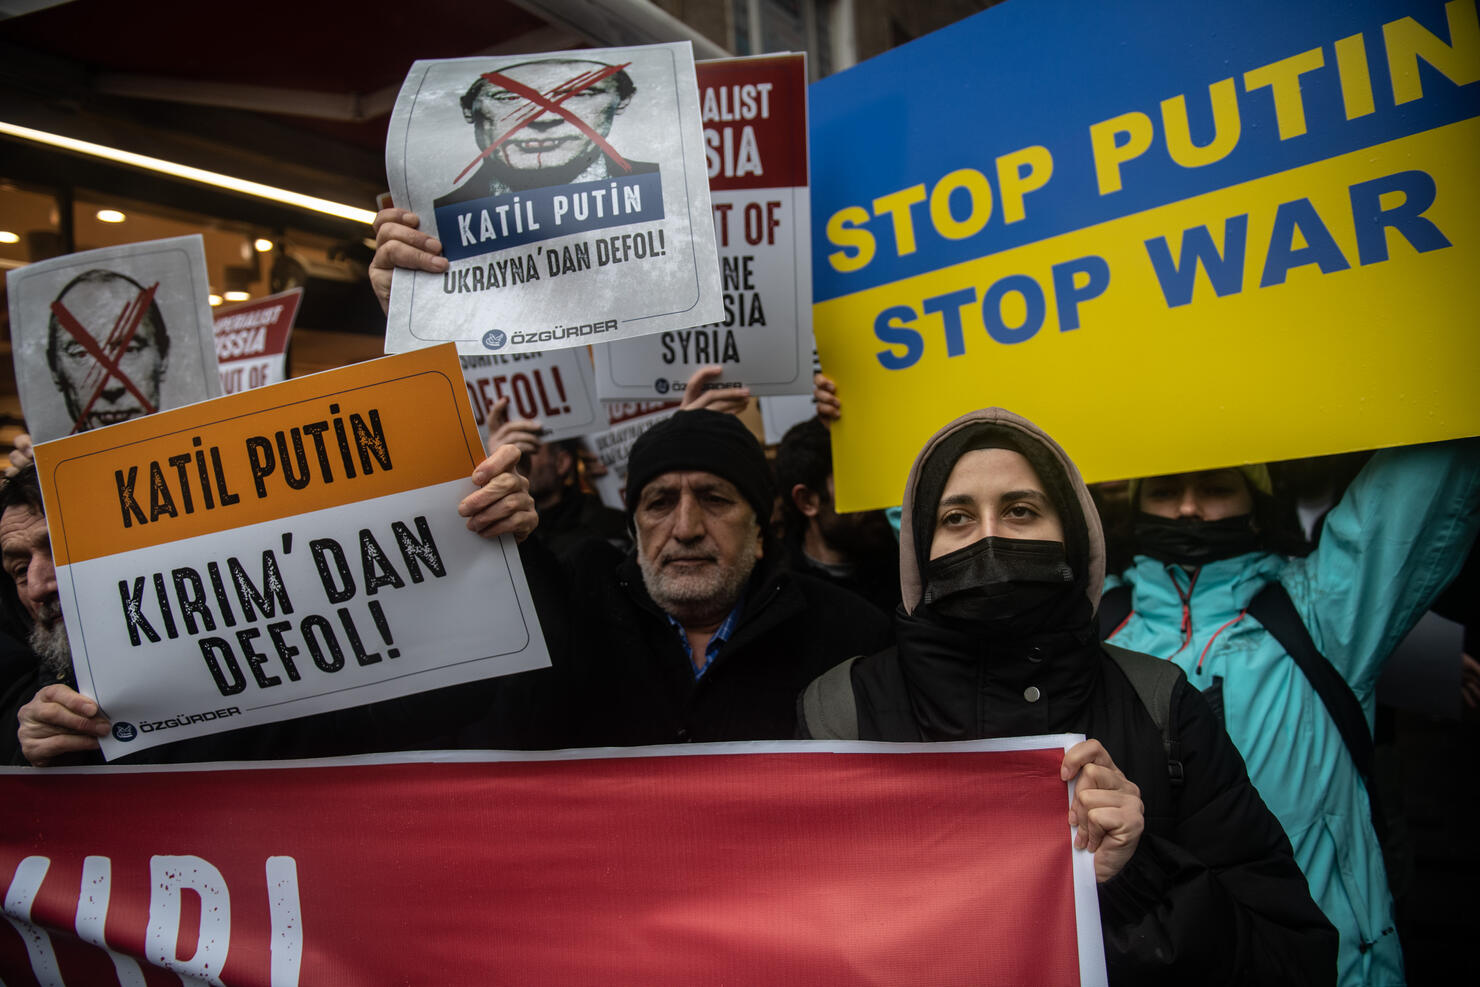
{"type": "Point", "coordinates": [1396, 539]}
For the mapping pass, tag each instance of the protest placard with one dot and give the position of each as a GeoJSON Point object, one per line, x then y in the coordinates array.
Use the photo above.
{"type": "Point", "coordinates": [775, 863]}
{"type": "Point", "coordinates": [755, 135]}
{"type": "Point", "coordinates": [252, 340]}
{"type": "Point", "coordinates": [556, 388]}
{"type": "Point", "coordinates": [106, 335]}
{"type": "Point", "coordinates": [1255, 243]}
{"type": "Point", "coordinates": [612, 445]}
{"type": "Point", "coordinates": [780, 413]}
{"type": "Point", "coordinates": [569, 193]}
{"type": "Point", "coordinates": [281, 552]}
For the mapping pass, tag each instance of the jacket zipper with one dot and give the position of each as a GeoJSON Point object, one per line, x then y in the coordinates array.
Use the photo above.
{"type": "Point", "coordinates": [1186, 605]}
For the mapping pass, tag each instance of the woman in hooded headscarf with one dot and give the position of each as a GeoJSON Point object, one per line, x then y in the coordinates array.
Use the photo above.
{"type": "Point", "coordinates": [1001, 565]}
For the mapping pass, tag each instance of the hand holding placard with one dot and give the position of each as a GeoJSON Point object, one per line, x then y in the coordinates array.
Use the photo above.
{"type": "Point", "coordinates": [502, 504]}
{"type": "Point", "coordinates": [825, 396]}
{"type": "Point", "coordinates": [1107, 810]}
{"type": "Point", "coordinates": [700, 392]}
{"type": "Point", "coordinates": [57, 722]}
{"type": "Point", "coordinates": [398, 243]}
{"type": "Point", "coordinates": [521, 432]}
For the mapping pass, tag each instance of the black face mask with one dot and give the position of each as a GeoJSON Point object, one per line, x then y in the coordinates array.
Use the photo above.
{"type": "Point", "coordinates": [1193, 542]}
{"type": "Point", "coordinates": [1007, 583]}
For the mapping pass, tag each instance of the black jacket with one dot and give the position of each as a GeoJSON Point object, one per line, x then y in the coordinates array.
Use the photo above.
{"type": "Point", "coordinates": [1212, 894]}
{"type": "Point", "coordinates": [579, 517]}
{"type": "Point", "coordinates": [874, 579]}
{"type": "Point", "coordinates": [621, 677]}
{"type": "Point", "coordinates": [14, 694]}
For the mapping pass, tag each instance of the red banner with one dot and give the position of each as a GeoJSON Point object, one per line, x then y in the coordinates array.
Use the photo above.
{"type": "Point", "coordinates": [745, 864]}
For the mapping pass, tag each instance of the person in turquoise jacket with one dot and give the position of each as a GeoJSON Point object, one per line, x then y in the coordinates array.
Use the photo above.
{"type": "Point", "coordinates": [1395, 540]}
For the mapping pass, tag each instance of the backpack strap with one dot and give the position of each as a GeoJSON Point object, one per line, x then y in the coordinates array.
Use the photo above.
{"type": "Point", "coordinates": [829, 709]}
{"type": "Point", "coordinates": [1115, 607]}
{"type": "Point", "coordinates": [1153, 679]}
{"type": "Point", "coordinates": [1274, 609]}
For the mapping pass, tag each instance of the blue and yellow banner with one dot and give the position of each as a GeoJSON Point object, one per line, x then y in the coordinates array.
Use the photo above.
{"type": "Point", "coordinates": [1177, 236]}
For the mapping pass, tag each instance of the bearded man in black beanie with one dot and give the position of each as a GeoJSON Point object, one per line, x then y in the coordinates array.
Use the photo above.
{"type": "Point", "coordinates": [701, 633]}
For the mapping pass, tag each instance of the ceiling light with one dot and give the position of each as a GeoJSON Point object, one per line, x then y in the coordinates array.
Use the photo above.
{"type": "Point", "coordinates": [110, 216]}
{"type": "Point", "coordinates": [215, 299]}
{"type": "Point", "coordinates": [236, 296]}
{"type": "Point", "coordinates": [262, 244]}
{"type": "Point", "coordinates": [8, 237]}
{"type": "Point", "coordinates": [191, 174]}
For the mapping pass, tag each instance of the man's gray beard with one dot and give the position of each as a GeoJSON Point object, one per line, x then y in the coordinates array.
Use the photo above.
{"type": "Point", "coordinates": [695, 596]}
{"type": "Point", "coordinates": [51, 646]}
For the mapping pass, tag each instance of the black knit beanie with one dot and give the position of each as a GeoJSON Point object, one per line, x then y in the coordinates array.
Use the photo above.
{"type": "Point", "coordinates": [702, 440]}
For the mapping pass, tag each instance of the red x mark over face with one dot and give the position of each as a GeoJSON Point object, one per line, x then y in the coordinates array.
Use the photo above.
{"type": "Point", "coordinates": [537, 104]}
{"type": "Point", "coordinates": [110, 353]}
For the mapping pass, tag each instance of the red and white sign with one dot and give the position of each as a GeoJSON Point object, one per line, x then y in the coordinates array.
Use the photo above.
{"type": "Point", "coordinates": [618, 412]}
{"type": "Point", "coordinates": [555, 388]}
{"type": "Point", "coordinates": [742, 863]}
{"type": "Point", "coordinates": [755, 137]}
{"type": "Point", "coordinates": [613, 446]}
{"type": "Point", "coordinates": [252, 341]}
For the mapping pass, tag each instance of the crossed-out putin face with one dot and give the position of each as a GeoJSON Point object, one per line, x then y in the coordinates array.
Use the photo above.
{"type": "Point", "coordinates": [99, 305]}
{"type": "Point", "coordinates": [550, 140]}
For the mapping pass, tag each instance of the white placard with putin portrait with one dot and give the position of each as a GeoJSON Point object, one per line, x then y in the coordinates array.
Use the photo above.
{"type": "Point", "coordinates": [107, 335]}
{"type": "Point", "coordinates": [569, 191]}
